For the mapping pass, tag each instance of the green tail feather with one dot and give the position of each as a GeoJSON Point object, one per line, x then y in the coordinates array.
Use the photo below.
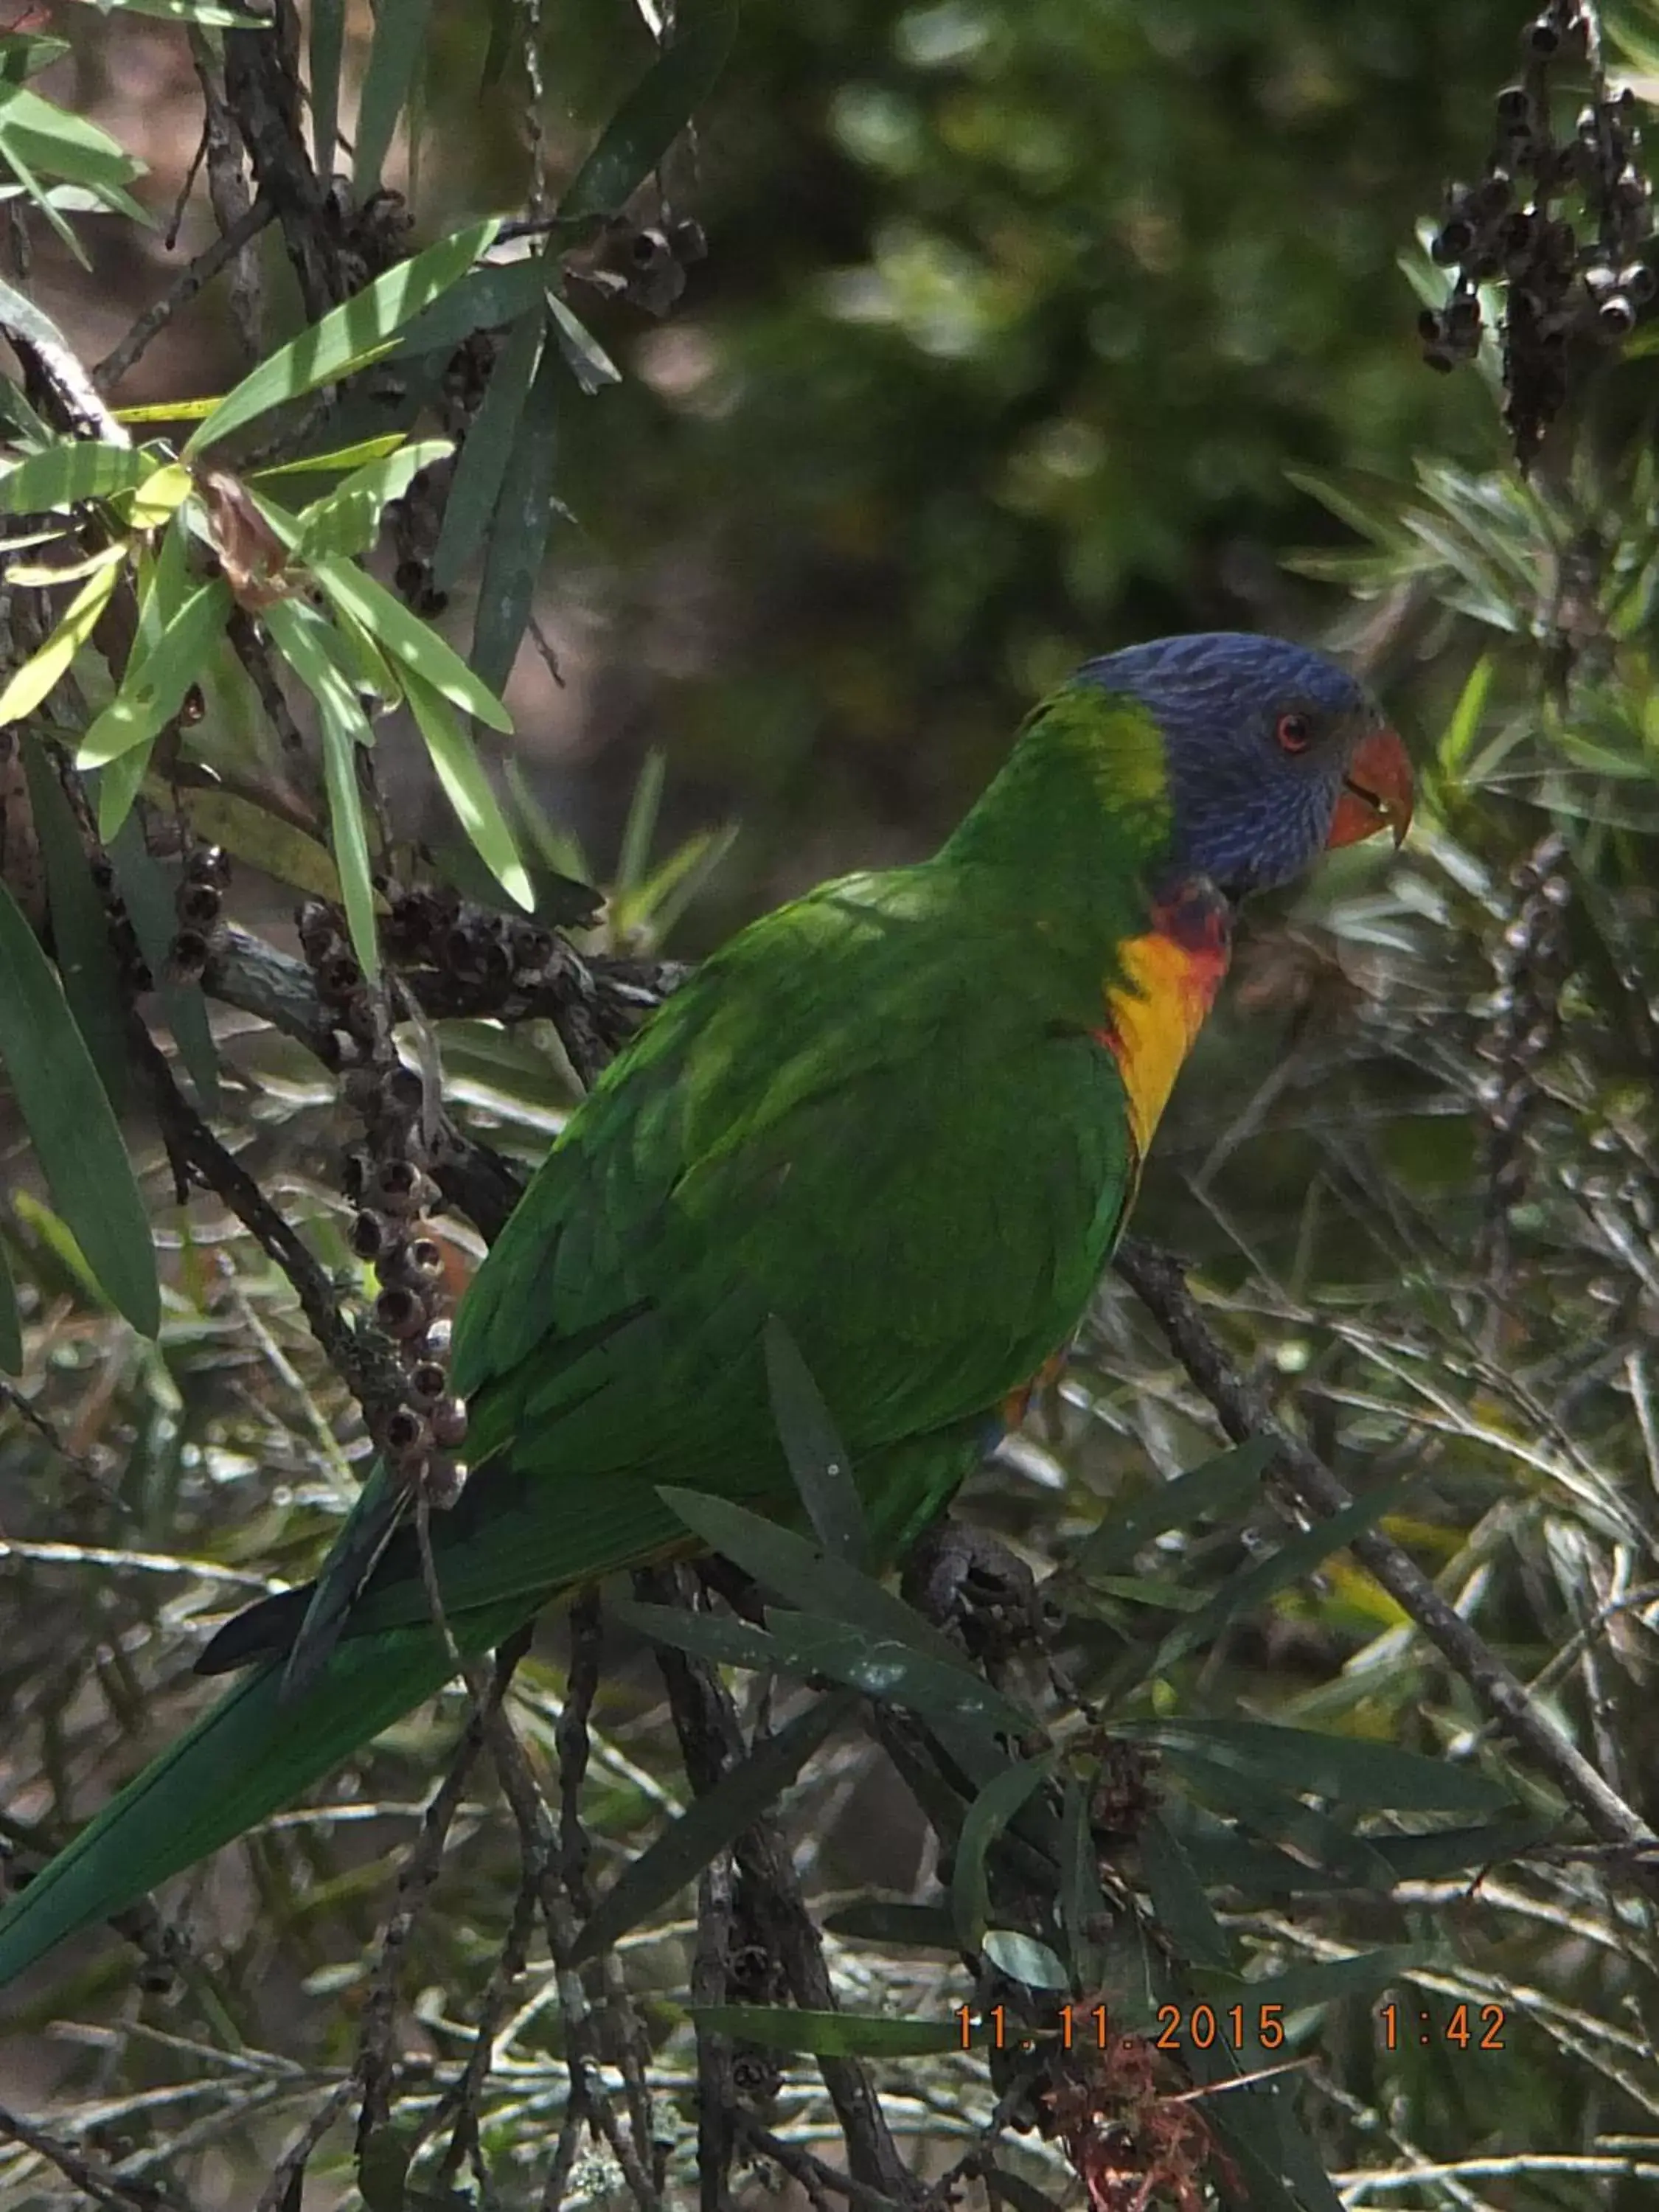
{"type": "Point", "coordinates": [250, 1755]}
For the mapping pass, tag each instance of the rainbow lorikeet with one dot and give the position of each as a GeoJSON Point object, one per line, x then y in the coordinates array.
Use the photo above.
{"type": "Point", "coordinates": [906, 1114]}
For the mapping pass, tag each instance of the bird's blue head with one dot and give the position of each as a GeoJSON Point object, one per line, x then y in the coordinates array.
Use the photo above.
{"type": "Point", "coordinates": [1273, 753]}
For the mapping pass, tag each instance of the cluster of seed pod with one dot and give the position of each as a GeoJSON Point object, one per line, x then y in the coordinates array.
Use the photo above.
{"type": "Point", "coordinates": [415, 521]}
{"type": "Point", "coordinates": [489, 954]}
{"type": "Point", "coordinates": [1530, 966]}
{"type": "Point", "coordinates": [196, 902]}
{"type": "Point", "coordinates": [1564, 280]}
{"type": "Point", "coordinates": [644, 263]}
{"type": "Point", "coordinates": [754, 1976]}
{"type": "Point", "coordinates": [386, 1179]}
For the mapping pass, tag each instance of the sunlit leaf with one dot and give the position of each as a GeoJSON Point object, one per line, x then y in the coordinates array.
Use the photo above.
{"type": "Point", "coordinates": [348, 338]}
{"type": "Point", "coordinates": [78, 469]}
{"type": "Point", "coordinates": [468, 788]}
{"type": "Point", "coordinates": [348, 521]}
{"type": "Point", "coordinates": [407, 639]}
{"type": "Point", "coordinates": [47, 667]}
{"type": "Point", "coordinates": [153, 693]}
{"type": "Point", "coordinates": [295, 630]}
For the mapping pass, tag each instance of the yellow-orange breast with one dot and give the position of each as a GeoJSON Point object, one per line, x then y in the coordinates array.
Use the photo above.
{"type": "Point", "coordinates": [1166, 983]}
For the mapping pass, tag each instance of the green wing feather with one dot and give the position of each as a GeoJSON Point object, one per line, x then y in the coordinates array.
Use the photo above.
{"type": "Point", "coordinates": [882, 1113]}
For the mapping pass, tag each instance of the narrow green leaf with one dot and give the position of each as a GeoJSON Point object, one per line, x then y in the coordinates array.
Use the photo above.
{"type": "Point", "coordinates": [476, 491]}
{"type": "Point", "coordinates": [652, 116]}
{"type": "Point", "coordinates": [147, 891]}
{"type": "Point", "coordinates": [326, 41]}
{"type": "Point", "coordinates": [1351, 1770]}
{"type": "Point", "coordinates": [24, 53]}
{"type": "Point", "coordinates": [295, 630]}
{"type": "Point", "coordinates": [1296, 1558]}
{"type": "Point", "coordinates": [248, 833]}
{"type": "Point", "coordinates": [152, 690]}
{"type": "Point", "coordinates": [640, 827]}
{"type": "Point", "coordinates": [11, 1322]}
{"type": "Point", "coordinates": [586, 358]}
{"type": "Point", "coordinates": [47, 667]}
{"type": "Point", "coordinates": [407, 639]}
{"type": "Point", "coordinates": [78, 469]}
{"type": "Point", "coordinates": [349, 338]}
{"type": "Point", "coordinates": [1467, 717]}
{"type": "Point", "coordinates": [518, 533]}
{"type": "Point", "coordinates": [43, 196]}
{"type": "Point", "coordinates": [893, 1672]}
{"type": "Point", "coordinates": [829, 2035]}
{"type": "Point", "coordinates": [347, 520]}
{"type": "Point", "coordinates": [80, 926]}
{"type": "Point", "coordinates": [494, 294]}
{"type": "Point", "coordinates": [1281, 1815]}
{"type": "Point", "coordinates": [71, 1124]}
{"type": "Point", "coordinates": [1184, 1918]}
{"type": "Point", "coordinates": [1445, 1851]}
{"type": "Point", "coordinates": [671, 887]}
{"type": "Point", "coordinates": [1222, 1858]}
{"type": "Point", "coordinates": [1327, 1981]}
{"type": "Point", "coordinates": [717, 1818]}
{"type": "Point", "coordinates": [468, 788]}
{"type": "Point", "coordinates": [996, 1805]}
{"type": "Point", "coordinates": [118, 787]}
{"type": "Point", "coordinates": [889, 1923]}
{"type": "Point", "coordinates": [1082, 1900]}
{"type": "Point", "coordinates": [705, 1635]}
{"type": "Point", "coordinates": [396, 52]}
{"type": "Point", "coordinates": [1022, 1959]}
{"type": "Point", "coordinates": [818, 1458]}
{"type": "Point", "coordinates": [1211, 1491]}
{"type": "Point", "coordinates": [50, 138]}
{"type": "Point", "coordinates": [796, 1568]}
{"type": "Point", "coordinates": [339, 460]}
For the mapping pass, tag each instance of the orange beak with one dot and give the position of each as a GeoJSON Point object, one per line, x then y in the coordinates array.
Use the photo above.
{"type": "Point", "coordinates": [1376, 792]}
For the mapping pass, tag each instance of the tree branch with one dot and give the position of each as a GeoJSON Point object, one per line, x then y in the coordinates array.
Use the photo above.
{"type": "Point", "coordinates": [1158, 1280]}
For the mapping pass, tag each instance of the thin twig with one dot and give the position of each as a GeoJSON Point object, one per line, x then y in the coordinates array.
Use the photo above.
{"type": "Point", "coordinates": [91, 2175]}
{"type": "Point", "coordinates": [364, 1359]}
{"type": "Point", "coordinates": [374, 2066]}
{"type": "Point", "coordinates": [179, 294]}
{"type": "Point", "coordinates": [290, 2167]}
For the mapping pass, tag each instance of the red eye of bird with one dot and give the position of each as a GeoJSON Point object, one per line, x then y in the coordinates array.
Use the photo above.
{"type": "Point", "coordinates": [1293, 733]}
